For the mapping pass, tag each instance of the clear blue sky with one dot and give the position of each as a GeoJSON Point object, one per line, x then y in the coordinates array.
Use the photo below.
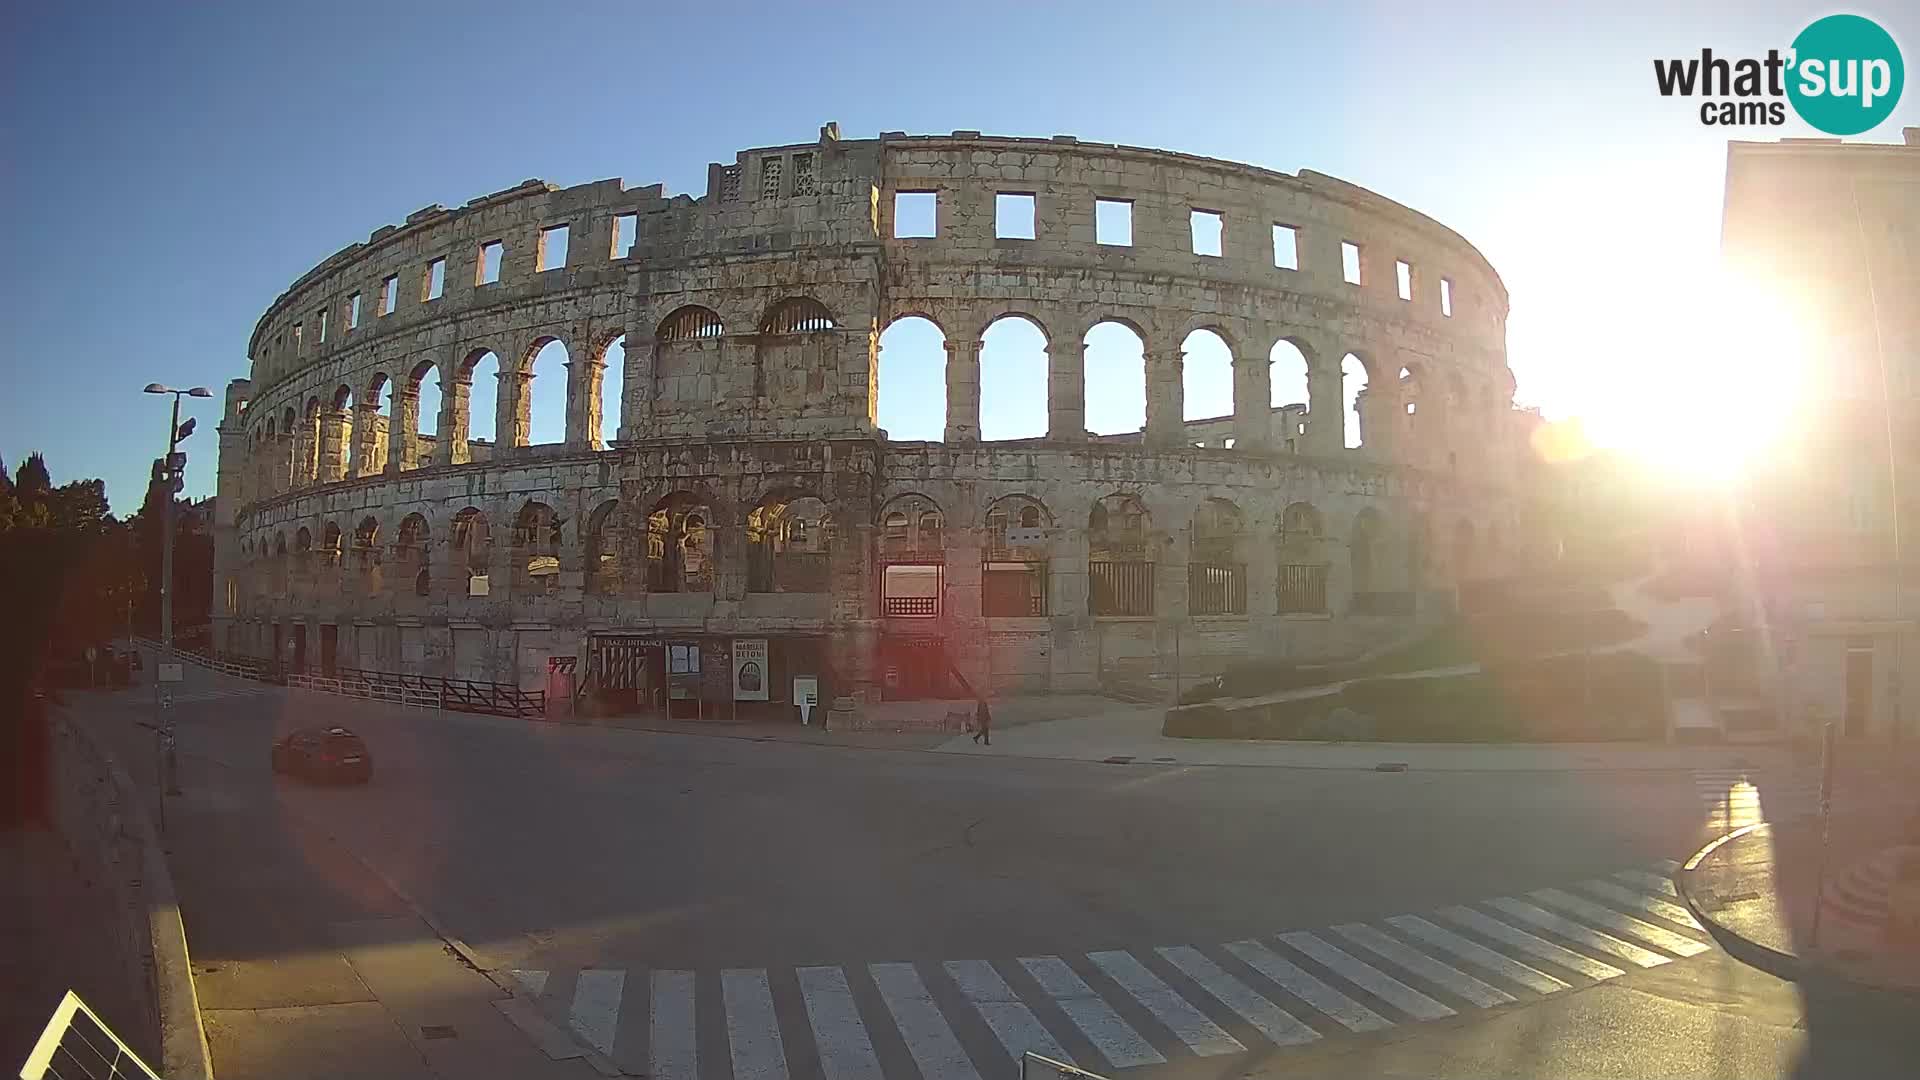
{"type": "Point", "coordinates": [169, 170]}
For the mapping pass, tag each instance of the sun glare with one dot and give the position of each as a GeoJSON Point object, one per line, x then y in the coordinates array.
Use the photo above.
{"type": "Point", "coordinates": [1730, 368]}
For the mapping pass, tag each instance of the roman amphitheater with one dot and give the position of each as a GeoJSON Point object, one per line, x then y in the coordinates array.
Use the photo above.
{"type": "Point", "coordinates": [749, 521]}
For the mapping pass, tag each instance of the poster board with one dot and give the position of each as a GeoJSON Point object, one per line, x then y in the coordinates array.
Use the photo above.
{"type": "Point", "coordinates": [750, 669]}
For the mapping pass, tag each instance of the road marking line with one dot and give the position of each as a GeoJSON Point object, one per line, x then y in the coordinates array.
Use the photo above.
{"type": "Point", "coordinates": [753, 1034]}
{"type": "Point", "coordinates": [1679, 944]}
{"type": "Point", "coordinates": [932, 1043]}
{"type": "Point", "coordinates": [1367, 977]}
{"type": "Point", "coordinates": [846, 1052]}
{"type": "Point", "coordinates": [1344, 1010]}
{"type": "Point", "coordinates": [1651, 881]}
{"type": "Point", "coordinates": [672, 1051]}
{"type": "Point", "coordinates": [596, 1006]}
{"type": "Point", "coordinates": [1667, 865]}
{"type": "Point", "coordinates": [534, 981]}
{"type": "Point", "coordinates": [1525, 942]}
{"type": "Point", "coordinates": [1013, 1023]}
{"type": "Point", "coordinates": [1271, 1020]}
{"type": "Point", "coordinates": [1425, 966]}
{"type": "Point", "coordinates": [1652, 905]}
{"type": "Point", "coordinates": [1475, 953]}
{"type": "Point", "coordinates": [1192, 1026]}
{"type": "Point", "coordinates": [1113, 1037]}
{"type": "Point", "coordinates": [1573, 931]}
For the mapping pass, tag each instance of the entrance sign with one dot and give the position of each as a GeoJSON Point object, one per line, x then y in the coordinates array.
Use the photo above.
{"type": "Point", "coordinates": [806, 694]}
{"type": "Point", "coordinates": [750, 669]}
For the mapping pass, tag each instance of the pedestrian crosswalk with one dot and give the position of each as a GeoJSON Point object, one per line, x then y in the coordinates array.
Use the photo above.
{"type": "Point", "coordinates": [1736, 798]}
{"type": "Point", "coordinates": [204, 694]}
{"type": "Point", "coordinates": [1116, 1009]}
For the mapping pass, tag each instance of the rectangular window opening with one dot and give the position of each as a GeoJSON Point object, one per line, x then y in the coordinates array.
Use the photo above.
{"type": "Point", "coordinates": [625, 226]}
{"type": "Point", "coordinates": [488, 270]}
{"type": "Point", "coordinates": [915, 213]}
{"type": "Point", "coordinates": [1350, 262]}
{"type": "Point", "coordinates": [436, 282]}
{"type": "Point", "coordinates": [1012, 216]}
{"type": "Point", "coordinates": [1286, 247]}
{"type": "Point", "coordinates": [320, 319]}
{"type": "Point", "coordinates": [1403, 278]}
{"type": "Point", "coordinates": [1113, 222]}
{"type": "Point", "coordinates": [1446, 298]}
{"type": "Point", "coordinates": [353, 312]}
{"type": "Point", "coordinates": [553, 247]}
{"type": "Point", "coordinates": [299, 334]}
{"type": "Point", "coordinates": [1208, 228]}
{"type": "Point", "coordinates": [803, 183]}
{"type": "Point", "coordinates": [389, 294]}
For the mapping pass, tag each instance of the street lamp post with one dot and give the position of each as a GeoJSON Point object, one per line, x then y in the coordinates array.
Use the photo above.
{"type": "Point", "coordinates": [169, 769]}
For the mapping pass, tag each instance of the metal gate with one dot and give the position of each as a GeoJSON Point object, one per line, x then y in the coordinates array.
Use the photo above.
{"type": "Point", "coordinates": [618, 663]}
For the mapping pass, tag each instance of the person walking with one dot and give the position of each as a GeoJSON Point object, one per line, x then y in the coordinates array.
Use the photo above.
{"type": "Point", "coordinates": [983, 723]}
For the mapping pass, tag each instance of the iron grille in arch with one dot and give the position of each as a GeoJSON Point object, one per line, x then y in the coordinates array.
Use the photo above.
{"type": "Point", "coordinates": [799, 315]}
{"type": "Point", "coordinates": [689, 323]}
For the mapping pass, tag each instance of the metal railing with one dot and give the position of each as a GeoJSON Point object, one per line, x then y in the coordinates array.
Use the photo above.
{"type": "Point", "coordinates": [395, 687]}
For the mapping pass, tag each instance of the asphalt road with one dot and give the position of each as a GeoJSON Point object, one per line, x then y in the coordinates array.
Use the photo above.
{"type": "Point", "coordinates": [606, 864]}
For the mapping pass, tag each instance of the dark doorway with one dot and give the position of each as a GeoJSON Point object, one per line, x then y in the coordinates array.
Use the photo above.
{"type": "Point", "coordinates": [279, 643]}
{"type": "Point", "coordinates": [916, 668]}
{"type": "Point", "coordinates": [683, 680]}
{"type": "Point", "coordinates": [329, 647]}
{"type": "Point", "coordinates": [1859, 686]}
{"type": "Point", "coordinates": [300, 647]}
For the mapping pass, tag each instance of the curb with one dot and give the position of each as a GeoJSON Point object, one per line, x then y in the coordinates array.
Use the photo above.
{"type": "Point", "coordinates": [1783, 965]}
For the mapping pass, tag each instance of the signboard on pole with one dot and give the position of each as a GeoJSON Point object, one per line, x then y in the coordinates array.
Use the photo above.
{"type": "Point", "coordinates": [806, 694]}
{"type": "Point", "coordinates": [750, 669]}
{"type": "Point", "coordinates": [172, 673]}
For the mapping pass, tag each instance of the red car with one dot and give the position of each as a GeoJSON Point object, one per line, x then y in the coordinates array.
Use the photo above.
{"type": "Point", "coordinates": [322, 754]}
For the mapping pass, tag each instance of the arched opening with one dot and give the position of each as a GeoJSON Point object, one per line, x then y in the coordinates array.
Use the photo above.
{"type": "Point", "coordinates": [471, 539]}
{"type": "Point", "coordinates": [336, 446]}
{"type": "Point", "coordinates": [280, 572]}
{"type": "Point", "coordinates": [680, 545]}
{"type": "Point", "coordinates": [1287, 375]}
{"type": "Point", "coordinates": [483, 404]}
{"type": "Point", "coordinates": [373, 442]}
{"type": "Point", "coordinates": [686, 364]}
{"type": "Point", "coordinates": [1206, 376]}
{"type": "Point", "coordinates": [1302, 584]}
{"type": "Point", "coordinates": [1353, 383]}
{"type": "Point", "coordinates": [536, 549]}
{"type": "Point", "coordinates": [1217, 567]}
{"type": "Point", "coordinates": [796, 356]}
{"type": "Point", "coordinates": [366, 554]}
{"type": "Point", "coordinates": [309, 442]}
{"type": "Point", "coordinates": [613, 383]}
{"type": "Point", "coordinates": [419, 447]}
{"type": "Point", "coordinates": [286, 452]}
{"type": "Point", "coordinates": [913, 556]}
{"type": "Point", "coordinates": [1362, 554]}
{"type": "Point", "coordinates": [789, 545]}
{"type": "Point", "coordinates": [912, 380]}
{"type": "Point", "coordinates": [1120, 565]}
{"type": "Point", "coordinates": [410, 554]}
{"type": "Point", "coordinates": [330, 545]}
{"type": "Point", "coordinates": [546, 393]}
{"type": "Point", "coordinates": [602, 571]}
{"type": "Point", "coordinates": [1013, 379]}
{"type": "Point", "coordinates": [1013, 581]}
{"type": "Point", "coordinates": [1116, 379]}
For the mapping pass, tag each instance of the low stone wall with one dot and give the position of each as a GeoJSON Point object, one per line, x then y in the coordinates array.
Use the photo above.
{"type": "Point", "coordinates": [98, 813]}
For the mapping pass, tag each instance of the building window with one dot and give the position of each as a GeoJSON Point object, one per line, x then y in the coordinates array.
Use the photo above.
{"type": "Point", "coordinates": [552, 252]}
{"type": "Point", "coordinates": [320, 320]}
{"type": "Point", "coordinates": [803, 175]}
{"type": "Point", "coordinates": [389, 294]}
{"type": "Point", "coordinates": [1403, 278]}
{"type": "Point", "coordinates": [1013, 216]}
{"type": "Point", "coordinates": [1113, 222]}
{"type": "Point", "coordinates": [911, 590]}
{"type": "Point", "coordinates": [625, 226]}
{"type": "Point", "coordinates": [435, 285]}
{"type": "Point", "coordinates": [487, 271]}
{"type": "Point", "coordinates": [353, 312]}
{"type": "Point", "coordinates": [1446, 298]}
{"type": "Point", "coordinates": [1208, 228]}
{"type": "Point", "coordinates": [915, 214]}
{"type": "Point", "coordinates": [1350, 262]}
{"type": "Point", "coordinates": [1303, 588]}
{"type": "Point", "coordinates": [1286, 247]}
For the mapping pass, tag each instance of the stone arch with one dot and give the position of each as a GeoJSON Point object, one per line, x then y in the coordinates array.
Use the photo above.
{"type": "Point", "coordinates": [680, 543]}
{"type": "Point", "coordinates": [910, 375]}
{"type": "Point", "coordinates": [536, 544]}
{"type": "Point", "coordinates": [476, 406]}
{"type": "Point", "coordinates": [687, 361]}
{"type": "Point", "coordinates": [411, 551]}
{"type": "Point", "coordinates": [1301, 582]}
{"type": "Point", "coordinates": [330, 544]}
{"type": "Point", "coordinates": [1217, 560]}
{"type": "Point", "coordinates": [789, 543]}
{"type": "Point", "coordinates": [366, 559]}
{"type": "Point", "coordinates": [796, 355]}
{"type": "Point", "coordinates": [911, 528]}
{"type": "Point", "coordinates": [1015, 556]}
{"type": "Point", "coordinates": [608, 406]}
{"type": "Point", "coordinates": [1354, 379]}
{"type": "Point", "coordinates": [603, 572]}
{"type": "Point", "coordinates": [422, 404]}
{"type": "Point", "coordinates": [470, 541]}
{"type": "Point", "coordinates": [1206, 374]}
{"type": "Point", "coordinates": [372, 444]}
{"type": "Point", "coordinates": [1115, 373]}
{"type": "Point", "coordinates": [538, 407]}
{"type": "Point", "coordinates": [1120, 557]}
{"type": "Point", "coordinates": [1013, 377]}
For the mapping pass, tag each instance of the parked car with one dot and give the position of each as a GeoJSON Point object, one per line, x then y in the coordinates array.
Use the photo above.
{"type": "Point", "coordinates": [322, 754]}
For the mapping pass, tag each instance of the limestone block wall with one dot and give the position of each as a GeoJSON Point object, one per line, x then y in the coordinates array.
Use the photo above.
{"type": "Point", "coordinates": [749, 492]}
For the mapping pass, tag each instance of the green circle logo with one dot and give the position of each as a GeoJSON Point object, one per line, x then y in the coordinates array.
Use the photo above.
{"type": "Point", "coordinates": [1847, 74]}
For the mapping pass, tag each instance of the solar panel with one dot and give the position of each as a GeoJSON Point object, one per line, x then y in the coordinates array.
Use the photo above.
{"type": "Point", "coordinates": [77, 1045]}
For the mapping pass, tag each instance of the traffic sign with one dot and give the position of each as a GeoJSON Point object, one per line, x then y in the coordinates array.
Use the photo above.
{"type": "Point", "coordinates": [172, 673]}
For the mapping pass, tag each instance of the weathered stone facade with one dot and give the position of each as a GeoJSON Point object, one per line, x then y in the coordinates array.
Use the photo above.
{"type": "Point", "coordinates": [750, 493]}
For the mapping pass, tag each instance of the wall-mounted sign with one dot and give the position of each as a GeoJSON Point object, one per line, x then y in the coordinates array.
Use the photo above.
{"type": "Point", "coordinates": [750, 669]}
{"type": "Point", "coordinates": [1034, 537]}
{"type": "Point", "coordinates": [172, 673]}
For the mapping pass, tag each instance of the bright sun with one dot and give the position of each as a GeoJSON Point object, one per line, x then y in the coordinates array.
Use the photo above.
{"type": "Point", "coordinates": [1729, 367]}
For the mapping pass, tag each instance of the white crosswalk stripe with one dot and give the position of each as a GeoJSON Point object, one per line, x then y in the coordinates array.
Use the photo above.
{"type": "Point", "coordinates": [1648, 881]}
{"type": "Point", "coordinates": [1104, 996]}
{"type": "Point", "coordinates": [1425, 966]}
{"type": "Point", "coordinates": [1370, 978]}
{"type": "Point", "coordinates": [1166, 1005]}
{"type": "Point", "coordinates": [1013, 1023]}
{"type": "Point", "coordinates": [931, 1042]}
{"type": "Point", "coordinates": [1271, 1020]}
{"type": "Point", "coordinates": [1090, 1012]}
{"type": "Point", "coordinates": [846, 1053]}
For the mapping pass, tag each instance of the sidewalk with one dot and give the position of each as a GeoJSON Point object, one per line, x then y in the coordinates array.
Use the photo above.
{"type": "Point", "coordinates": [1133, 733]}
{"type": "Point", "coordinates": [1755, 891]}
